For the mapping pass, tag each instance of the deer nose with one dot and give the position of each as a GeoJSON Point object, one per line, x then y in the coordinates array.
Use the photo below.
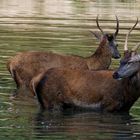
{"type": "Point", "coordinates": [115, 75]}
{"type": "Point", "coordinates": [117, 56]}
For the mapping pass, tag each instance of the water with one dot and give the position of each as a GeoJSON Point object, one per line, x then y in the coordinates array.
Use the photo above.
{"type": "Point", "coordinates": [61, 26]}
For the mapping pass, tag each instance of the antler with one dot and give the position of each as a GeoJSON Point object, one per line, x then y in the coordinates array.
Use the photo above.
{"type": "Point", "coordinates": [117, 27]}
{"type": "Point", "coordinates": [98, 25]}
{"type": "Point", "coordinates": [126, 40]}
{"type": "Point", "coordinates": [136, 47]}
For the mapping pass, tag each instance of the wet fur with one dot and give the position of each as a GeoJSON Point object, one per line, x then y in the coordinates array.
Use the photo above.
{"type": "Point", "coordinates": [95, 90]}
{"type": "Point", "coordinates": [24, 66]}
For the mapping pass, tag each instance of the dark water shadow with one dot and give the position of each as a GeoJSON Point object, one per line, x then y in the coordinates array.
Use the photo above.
{"type": "Point", "coordinates": [84, 124]}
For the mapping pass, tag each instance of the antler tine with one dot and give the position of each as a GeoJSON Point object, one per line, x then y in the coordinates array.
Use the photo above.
{"type": "Point", "coordinates": [98, 25]}
{"type": "Point", "coordinates": [117, 27]}
{"type": "Point", "coordinates": [126, 40]}
{"type": "Point", "coordinates": [136, 47]}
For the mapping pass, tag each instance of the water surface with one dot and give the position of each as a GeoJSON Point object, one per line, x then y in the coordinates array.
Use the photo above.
{"type": "Point", "coordinates": [62, 26]}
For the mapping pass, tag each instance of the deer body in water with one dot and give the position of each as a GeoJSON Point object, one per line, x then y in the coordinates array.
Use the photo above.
{"type": "Point", "coordinates": [24, 66]}
{"type": "Point", "coordinates": [96, 90]}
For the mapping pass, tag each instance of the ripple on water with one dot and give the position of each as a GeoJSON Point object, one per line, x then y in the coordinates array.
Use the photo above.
{"type": "Point", "coordinates": [61, 27]}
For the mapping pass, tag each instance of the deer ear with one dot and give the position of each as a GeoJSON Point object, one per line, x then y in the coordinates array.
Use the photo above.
{"type": "Point", "coordinates": [96, 34]}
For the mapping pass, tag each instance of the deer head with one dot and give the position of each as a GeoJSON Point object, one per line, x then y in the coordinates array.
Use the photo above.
{"type": "Point", "coordinates": [110, 38]}
{"type": "Point", "coordinates": [130, 64]}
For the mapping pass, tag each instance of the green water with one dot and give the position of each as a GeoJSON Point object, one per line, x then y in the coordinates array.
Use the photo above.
{"type": "Point", "coordinates": [61, 26]}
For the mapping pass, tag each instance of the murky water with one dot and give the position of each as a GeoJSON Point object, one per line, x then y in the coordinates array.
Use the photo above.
{"type": "Point", "coordinates": [61, 26]}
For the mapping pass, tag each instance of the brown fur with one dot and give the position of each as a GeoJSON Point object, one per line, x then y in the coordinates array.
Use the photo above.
{"type": "Point", "coordinates": [59, 88]}
{"type": "Point", "coordinates": [24, 66]}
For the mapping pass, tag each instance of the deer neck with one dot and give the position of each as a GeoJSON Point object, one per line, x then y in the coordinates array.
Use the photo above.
{"type": "Point", "coordinates": [135, 84]}
{"type": "Point", "coordinates": [131, 90]}
{"type": "Point", "coordinates": [101, 59]}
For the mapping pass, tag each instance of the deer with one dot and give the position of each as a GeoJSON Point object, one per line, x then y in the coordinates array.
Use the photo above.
{"type": "Point", "coordinates": [26, 65]}
{"type": "Point", "coordinates": [98, 90]}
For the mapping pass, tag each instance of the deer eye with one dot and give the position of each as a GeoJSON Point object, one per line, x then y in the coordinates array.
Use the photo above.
{"type": "Point", "coordinates": [110, 37]}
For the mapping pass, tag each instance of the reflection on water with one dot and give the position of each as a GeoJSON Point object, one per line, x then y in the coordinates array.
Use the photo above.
{"type": "Point", "coordinates": [61, 26]}
{"type": "Point", "coordinates": [84, 126]}
{"type": "Point", "coordinates": [68, 8]}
